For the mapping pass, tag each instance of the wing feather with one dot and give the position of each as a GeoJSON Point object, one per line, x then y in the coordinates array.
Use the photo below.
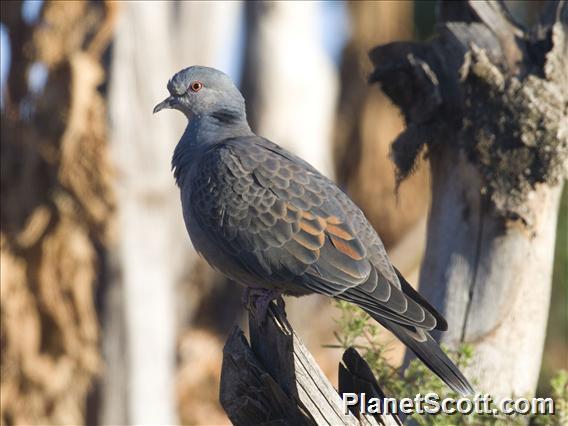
{"type": "Point", "coordinates": [282, 220]}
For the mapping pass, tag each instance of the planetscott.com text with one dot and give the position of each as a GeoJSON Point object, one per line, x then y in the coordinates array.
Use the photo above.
{"type": "Point", "coordinates": [431, 403]}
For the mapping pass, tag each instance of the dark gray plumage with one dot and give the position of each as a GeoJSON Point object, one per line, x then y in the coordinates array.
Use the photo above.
{"type": "Point", "coordinates": [267, 219]}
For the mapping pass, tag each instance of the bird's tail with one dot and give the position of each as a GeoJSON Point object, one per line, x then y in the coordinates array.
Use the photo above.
{"type": "Point", "coordinates": [430, 353]}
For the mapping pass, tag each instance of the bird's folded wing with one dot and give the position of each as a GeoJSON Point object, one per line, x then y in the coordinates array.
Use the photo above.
{"type": "Point", "coordinates": [281, 220]}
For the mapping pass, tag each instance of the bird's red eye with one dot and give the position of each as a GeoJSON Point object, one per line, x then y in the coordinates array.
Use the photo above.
{"type": "Point", "coordinates": [196, 86]}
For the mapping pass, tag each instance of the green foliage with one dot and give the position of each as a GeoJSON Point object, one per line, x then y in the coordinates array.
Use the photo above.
{"type": "Point", "coordinates": [559, 384]}
{"type": "Point", "coordinates": [556, 345]}
{"type": "Point", "coordinates": [357, 329]}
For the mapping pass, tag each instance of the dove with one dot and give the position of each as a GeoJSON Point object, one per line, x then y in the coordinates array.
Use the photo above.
{"type": "Point", "coordinates": [270, 221]}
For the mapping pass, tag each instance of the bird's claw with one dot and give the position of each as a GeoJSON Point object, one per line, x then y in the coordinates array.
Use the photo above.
{"type": "Point", "coordinates": [257, 300]}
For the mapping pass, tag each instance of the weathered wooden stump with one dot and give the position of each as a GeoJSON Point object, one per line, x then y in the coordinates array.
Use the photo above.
{"type": "Point", "coordinates": [275, 380]}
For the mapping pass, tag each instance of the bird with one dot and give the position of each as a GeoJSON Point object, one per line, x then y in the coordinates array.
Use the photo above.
{"type": "Point", "coordinates": [268, 220]}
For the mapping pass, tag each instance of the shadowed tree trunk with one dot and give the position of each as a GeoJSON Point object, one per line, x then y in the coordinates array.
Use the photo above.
{"type": "Point", "coordinates": [56, 206]}
{"type": "Point", "coordinates": [488, 99]}
{"type": "Point", "coordinates": [365, 125]}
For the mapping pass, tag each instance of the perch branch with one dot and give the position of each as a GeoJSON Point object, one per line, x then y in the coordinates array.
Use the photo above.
{"type": "Point", "coordinates": [275, 379]}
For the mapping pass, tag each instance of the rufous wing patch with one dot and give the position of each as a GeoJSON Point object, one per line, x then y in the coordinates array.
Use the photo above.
{"type": "Point", "coordinates": [333, 220]}
{"type": "Point", "coordinates": [313, 230]}
{"type": "Point", "coordinates": [339, 232]}
{"type": "Point", "coordinates": [346, 248]}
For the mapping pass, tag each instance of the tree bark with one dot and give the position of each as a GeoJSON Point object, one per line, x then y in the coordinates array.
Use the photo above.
{"type": "Point", "coordinates": [488, 100]}
{"type": "Point", "coordinates": [57, 205]}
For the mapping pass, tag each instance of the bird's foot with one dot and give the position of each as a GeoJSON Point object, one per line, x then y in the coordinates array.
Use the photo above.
{"type": "Point", "coordinates": [257, 300]}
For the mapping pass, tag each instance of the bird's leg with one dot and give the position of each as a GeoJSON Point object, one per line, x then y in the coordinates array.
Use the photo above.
{"type": "Point", "coordinates": [245, 297]}
{"type": "Point", "coordinates": [257, 300]}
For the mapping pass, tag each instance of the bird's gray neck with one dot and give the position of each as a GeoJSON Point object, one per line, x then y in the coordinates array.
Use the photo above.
{"type": "Point", "coordinates": [203, 132]}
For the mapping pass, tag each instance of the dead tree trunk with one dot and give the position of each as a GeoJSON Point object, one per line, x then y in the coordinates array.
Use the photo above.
{"type": "Point", "coordinates": [488, 99]}
{"type": "Point", "coordinates": [275, 380]}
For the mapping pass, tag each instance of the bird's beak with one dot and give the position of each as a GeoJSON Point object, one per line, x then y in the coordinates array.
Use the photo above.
{"type": "Point", "coordinates": [167, 103]}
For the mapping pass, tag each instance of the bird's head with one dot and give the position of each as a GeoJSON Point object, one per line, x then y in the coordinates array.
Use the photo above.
{"type": "Point", "coordinates": [202, 91]}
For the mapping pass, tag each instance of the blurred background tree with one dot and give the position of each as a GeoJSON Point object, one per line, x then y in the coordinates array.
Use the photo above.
{"type": "Point", "coordinates": [366, 124]}
{"type": "Point", "coordinates": [152, 295]}
{"type": "Point", "coordinates": [92, 234]}
{"type": "Point", "coordinates": [57, 206]}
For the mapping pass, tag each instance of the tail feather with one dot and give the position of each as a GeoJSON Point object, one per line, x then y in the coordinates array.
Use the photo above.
{"type": "Point", "coordinates": [430, 353]}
